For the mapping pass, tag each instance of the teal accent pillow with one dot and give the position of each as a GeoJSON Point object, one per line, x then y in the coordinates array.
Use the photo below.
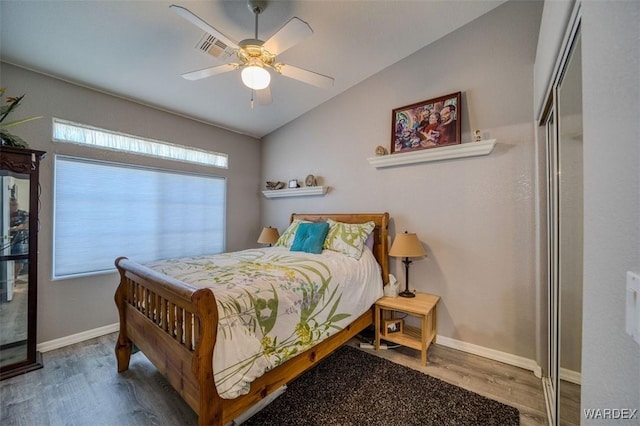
{"type": "Point", "coordinates": [310, 237]}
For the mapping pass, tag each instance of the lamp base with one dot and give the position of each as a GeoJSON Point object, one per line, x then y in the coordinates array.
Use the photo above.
{"type": "Point", "coordinates": [406, 293]}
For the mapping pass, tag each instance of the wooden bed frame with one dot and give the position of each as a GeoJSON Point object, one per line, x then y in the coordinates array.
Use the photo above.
{"type": "Point", "coordinates": [175, 326]}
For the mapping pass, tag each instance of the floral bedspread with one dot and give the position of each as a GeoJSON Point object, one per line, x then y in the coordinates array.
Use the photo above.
{"type": "Point", "coordinates": [274, 304]}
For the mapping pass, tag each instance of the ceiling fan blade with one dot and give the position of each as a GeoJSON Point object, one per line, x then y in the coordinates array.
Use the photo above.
{"type": "Point", "coordinates": [264, 96]}
{"type": "Point", "coordinates": [291, 33]}
{"type": "Point", "coordinates": [305, 76]}
{"type": "Point", "coordinates": [208, 72]}
{"type": "Point", "coordinates": [191, 17]}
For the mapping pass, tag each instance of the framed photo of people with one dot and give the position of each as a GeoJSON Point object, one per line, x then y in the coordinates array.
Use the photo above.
{"type": "Point", "coordinates": [427, 124]}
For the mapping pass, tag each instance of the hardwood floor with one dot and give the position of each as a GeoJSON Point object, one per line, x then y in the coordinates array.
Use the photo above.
{"type": "Point", "coordinates": [79, 385]}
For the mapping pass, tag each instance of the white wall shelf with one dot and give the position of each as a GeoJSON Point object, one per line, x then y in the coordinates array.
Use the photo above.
{"type": "Point", "coordinates": [470, 149]}
{"type": "Point", "coordinates": [296, 192]}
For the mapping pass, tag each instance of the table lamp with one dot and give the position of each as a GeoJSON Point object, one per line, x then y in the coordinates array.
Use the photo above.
{"type": "Point", "coordinates": [269, 236]}
{"type": "Point", "coordinates": [407, 245]}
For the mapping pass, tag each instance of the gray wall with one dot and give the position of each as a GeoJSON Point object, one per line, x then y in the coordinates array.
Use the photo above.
{"type": "Point", "coordinates": [72, 306]}
{"type": "Point", "coordinates": [611, 97]}
{"type": "Point", "coordinates": [475, 216]}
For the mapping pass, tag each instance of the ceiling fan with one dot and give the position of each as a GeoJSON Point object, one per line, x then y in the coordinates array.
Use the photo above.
{"type": "Point", "coordinates": [255, 57]}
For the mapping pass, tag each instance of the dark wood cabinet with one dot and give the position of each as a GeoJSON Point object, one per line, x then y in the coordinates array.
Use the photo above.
{"type": "Point", "coordinates": [19, 192]}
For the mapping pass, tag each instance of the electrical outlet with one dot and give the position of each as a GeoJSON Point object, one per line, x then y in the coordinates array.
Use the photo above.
{"type": "Point", "coordinates": [633, 306]}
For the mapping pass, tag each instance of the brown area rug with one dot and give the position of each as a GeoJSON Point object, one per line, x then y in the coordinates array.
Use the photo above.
{"type": "Point", "coordinates": [352, 387]}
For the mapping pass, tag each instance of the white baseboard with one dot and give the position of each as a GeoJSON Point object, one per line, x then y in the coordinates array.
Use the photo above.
{"type": "Point", "coordinates": [571, 376]}
{"type": "Point", "coordinates": [77, 338]}
{"type": "Point", "coordinates": [507, 358]}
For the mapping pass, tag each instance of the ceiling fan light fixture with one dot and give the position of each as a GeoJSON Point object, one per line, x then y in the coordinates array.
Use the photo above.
{"type": "Point", "coordinates": [256, 77]}
{"type": "Point", "coordinates": [256, 58]}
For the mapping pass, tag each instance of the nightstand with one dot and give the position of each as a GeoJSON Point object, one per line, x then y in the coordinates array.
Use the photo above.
{"type": "Point", "coordinates": [390, 328]}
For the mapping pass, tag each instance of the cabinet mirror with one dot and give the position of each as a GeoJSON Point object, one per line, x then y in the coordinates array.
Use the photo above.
{"type": "Point", "coordinates": [18, 263]}
{"type": "Point", "coordinates": [14, 268]}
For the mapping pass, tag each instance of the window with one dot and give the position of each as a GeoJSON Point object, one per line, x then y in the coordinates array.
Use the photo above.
{"type": "Point", "coordinates": [69, 132]}
{"type": "Point", "coordinates": [104, 210]}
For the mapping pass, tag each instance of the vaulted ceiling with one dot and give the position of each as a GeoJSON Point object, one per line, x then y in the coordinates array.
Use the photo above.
{"type": "Point", "coordinates": [139, 49]}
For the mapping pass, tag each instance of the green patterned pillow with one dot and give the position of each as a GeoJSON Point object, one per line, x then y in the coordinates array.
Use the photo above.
{"type": "Point", "coordinates": [286, 239]}
{"type": "Point", "coordinates": [348, 238]}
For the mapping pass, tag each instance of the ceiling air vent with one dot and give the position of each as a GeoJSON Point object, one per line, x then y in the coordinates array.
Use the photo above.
{"type": "Point", "coordinates": [214, 47]}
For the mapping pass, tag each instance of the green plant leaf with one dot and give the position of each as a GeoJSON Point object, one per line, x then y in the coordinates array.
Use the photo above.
{"type": "Point", "coordinates": [6, 110]}
{"type": "Point", "coordinates": [15, 123]}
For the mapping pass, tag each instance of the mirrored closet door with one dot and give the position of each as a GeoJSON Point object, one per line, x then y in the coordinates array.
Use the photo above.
{"type": "Point", "coordinates": [563, 125]}
{"type": "Point", "coordinates": [570, 237]}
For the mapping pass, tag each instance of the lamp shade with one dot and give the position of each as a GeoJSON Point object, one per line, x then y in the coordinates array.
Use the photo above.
{"type": "Point", "coordinates": [255, 77]}
{"type": "Point", "coordinates": [268, 236]}
{"type": "Point", "coordinates": [407, 245]}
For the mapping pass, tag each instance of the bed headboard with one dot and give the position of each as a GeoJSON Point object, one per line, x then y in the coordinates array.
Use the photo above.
{"type": "Point", "coordinates": [380, 233]}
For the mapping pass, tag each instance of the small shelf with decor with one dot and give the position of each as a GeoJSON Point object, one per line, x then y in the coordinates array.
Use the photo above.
{"type": "Point", "coordinates": [463, 150]}
{"type": "Point", "coordinates": [296, 192]}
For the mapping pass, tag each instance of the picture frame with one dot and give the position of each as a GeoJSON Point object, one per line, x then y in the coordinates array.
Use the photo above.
{"type": "Point", "coordinates": [422, 125]}
{"type": "Point", "coordinates": [393, 326]}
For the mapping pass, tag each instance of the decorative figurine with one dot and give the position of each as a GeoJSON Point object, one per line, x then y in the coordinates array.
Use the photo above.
{"type": "Point", "coordinates": [381, 150]}
{"type": "Point", "coordinates": [310, 180]}
{"type": "Point", "coordinates": [275, 185]}
{"type": "Point", "coordinates": [478, 136]}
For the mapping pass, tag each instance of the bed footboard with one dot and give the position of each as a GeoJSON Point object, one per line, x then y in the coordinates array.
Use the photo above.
{"type": "Point", "coordinates": [175, 326]}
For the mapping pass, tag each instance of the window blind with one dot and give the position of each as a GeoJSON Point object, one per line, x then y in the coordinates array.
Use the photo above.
{"type": "Point", "coordinates": [70, 132]}
{"type": "Point", "coordinates": [106, 210]}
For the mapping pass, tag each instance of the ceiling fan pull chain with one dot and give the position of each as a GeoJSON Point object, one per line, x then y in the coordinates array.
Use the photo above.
{"type": "Point", "coordinates": [252, 91]}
